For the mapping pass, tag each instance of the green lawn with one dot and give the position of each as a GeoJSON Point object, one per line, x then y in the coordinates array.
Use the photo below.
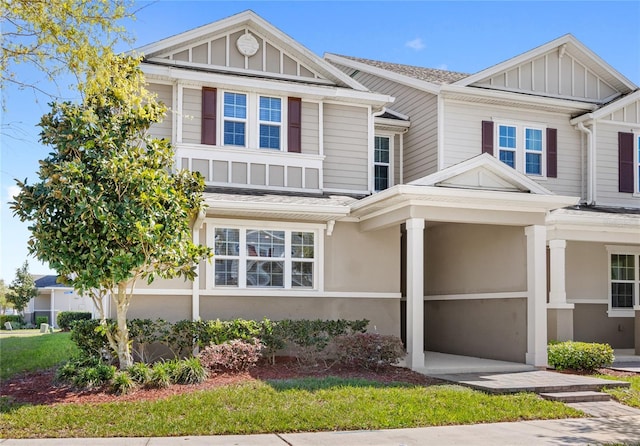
{"type": "Point", "coordinates": [286, 406]}
{"type": "Point", "coordinates": [24, 353]}
{"type": "Point", "coordinates": [309, 404]}
{"type": "Point", "coordinates": [629, 396]}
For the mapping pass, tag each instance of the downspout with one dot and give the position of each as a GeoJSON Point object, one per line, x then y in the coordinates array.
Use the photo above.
{"type": "Point", "coordinates": [195, 285]}
{"type": "Point", "coordinates": [590, 162]}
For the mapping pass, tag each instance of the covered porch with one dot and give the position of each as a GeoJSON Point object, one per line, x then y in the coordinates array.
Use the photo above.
{"type": "Point", "coordinates": [474, 265]}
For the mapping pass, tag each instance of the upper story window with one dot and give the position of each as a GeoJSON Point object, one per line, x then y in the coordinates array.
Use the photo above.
{"type": "Point", "coordinates": [235, 119]}
{"type": "Point", "coordinates": [270, 117]}
{"type": "Point", "coordinates": [251, 120]}
{"type": "Point", "coordinates": [265, 258]}
{"type": "Point", "coordinates": [522, 147]}
{"type": "Point", "coordinates": [382, 163]}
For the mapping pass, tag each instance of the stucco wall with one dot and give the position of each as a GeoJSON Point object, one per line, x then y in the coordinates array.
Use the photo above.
{"type": "Point", "coordinates": [592, 324]}
{"type": "Point", "coordinates": [383, 314]}
{"type": "Point", "coordinates": [362, 261]}
{"type": "Point", "coordinates": [465, 258]}
{"type": "Point", "coordinates": [486, 328]}
{"type": "Point", "coordinates": [170, 308]}
{"type": "Point", "coordinates": [587, 273]}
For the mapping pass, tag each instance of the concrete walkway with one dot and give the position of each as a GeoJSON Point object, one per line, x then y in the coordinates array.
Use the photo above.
{"type": "Point", "coordinates": [583, 431]}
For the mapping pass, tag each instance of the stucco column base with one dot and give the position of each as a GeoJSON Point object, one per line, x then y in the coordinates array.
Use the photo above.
{"type": "Point", "coordinates": [560, 324]}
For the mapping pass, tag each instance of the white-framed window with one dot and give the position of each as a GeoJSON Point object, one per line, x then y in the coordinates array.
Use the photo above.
{"type": "Point", "coordinates": [261, 255]}
{"type": "Point", "coordinates": [637, 164]}
{"type": "Point", "coordinates": [624, 279]}
{"type": "Point", "coordinates": [252, 120]}
{"type": "Point", "coordinates": [382, 152]}
{"type": "Point", "coordinates": [522, 146]}
{"type": "Point", "coordinates": [235, 119]}
{"type": "Point", "coordinates": [270, 122]}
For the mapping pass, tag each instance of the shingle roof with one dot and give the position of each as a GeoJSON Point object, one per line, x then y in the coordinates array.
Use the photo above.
{"type": "Point", "coordinates": [48, 281]}
{"type": "Point", "coordinates": [432, 75]}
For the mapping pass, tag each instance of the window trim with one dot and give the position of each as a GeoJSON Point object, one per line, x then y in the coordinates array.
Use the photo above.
{"type": "Point", "coordinates": [520, 150]}
{"type": "Point", "coordinates": [623, 250]}
{"type": "Point", "coordinates": [243, 226]}
{"type": "Point", "coordinates": [636, 164]}
{"type": "Point", "coordinates": [391, 164]}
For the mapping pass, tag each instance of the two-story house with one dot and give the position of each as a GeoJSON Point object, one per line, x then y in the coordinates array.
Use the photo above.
{"type": "Point", "coordinates": [422, 200]}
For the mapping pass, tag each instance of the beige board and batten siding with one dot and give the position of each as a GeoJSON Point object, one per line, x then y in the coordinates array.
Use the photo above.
{"type": "Point", "coordinates": [191, 115]}
{"type": "Point", "coordinates": [463, 139]}
{"type": "Point", "coordinates": [421, 141]}
{"type": "Point", "coordinates": [346, 147]}
{"type": "Point", "coordinates": [607, 172]}
{"type": "Point", "coordinates": [163, 130]}
{"type": "Point", "coordinates": [358, 261]}
{"type": "Point", "coordinates": [469, 259]}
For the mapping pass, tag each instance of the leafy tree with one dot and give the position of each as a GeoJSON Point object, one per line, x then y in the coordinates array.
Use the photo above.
{"type": "Point", "coordinates": [57, 36]}
{"type": "Point", "coordinates": [22, 288]}
{"type": "Point", "coordinates": [4, 291]}
{"type": "Point", "coordinates": [107, 210]}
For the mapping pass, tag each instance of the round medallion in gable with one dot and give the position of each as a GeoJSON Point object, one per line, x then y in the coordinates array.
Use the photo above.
{"type": "Point", "coordinates": [247, 45]}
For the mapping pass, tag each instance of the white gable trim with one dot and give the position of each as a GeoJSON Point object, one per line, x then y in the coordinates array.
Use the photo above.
{"type": "Point", "coordinates": [243, 18]}
{"type": "Point", "coordinates": [609, 108]}
{"type": "Point", "coordinates": [385, 74]}
{"type": "Point", "coordinates": [494, 167]}
{"type": "Point", "coordinates": [539, 51]}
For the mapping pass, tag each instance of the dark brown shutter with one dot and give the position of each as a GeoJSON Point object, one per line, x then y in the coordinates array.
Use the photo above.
{"type": "Point", "coordinates": [625, 162]}
{"type": "Point", "coordinates": [487, 137]}
{"type": "Point", "coordinates": [552, 153]}
{"type": "Point", "coordinates": [294, 135]}
{"type": "Point", "coordinates": [209, 99]}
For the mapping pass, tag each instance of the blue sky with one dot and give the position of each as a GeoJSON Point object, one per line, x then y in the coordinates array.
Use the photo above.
{"type": "Point", "coordinates": [453, 35]}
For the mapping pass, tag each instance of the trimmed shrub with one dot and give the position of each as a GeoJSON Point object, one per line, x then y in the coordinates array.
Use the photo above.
{"type": "Point", "coordinates": [579, 355]}
{"type": "Point", "coordinates": [233, 356]}
{"type": "Point", "coordinates": [140, 372]}
{"type": "Point", "coordinates": [41, 320]}
{"type": "Point", "coordinates": [91, 338]}
{"type": "Point", "coordinates": [15, 319]}
{"type": "Point", "coordinates": [189, 371]}
{"type": "Point", "coordinates": [66, 318]}
{"type": "Point", "coordinates": [161, 375]}
{"type": "Point", "coordinates": [122, 383]}
{"type": "Point", "coordinates": [368, 350]}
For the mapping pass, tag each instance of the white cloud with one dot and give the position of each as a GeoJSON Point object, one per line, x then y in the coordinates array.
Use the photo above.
{"type": "Point", "coordinates": [416, 44]}
{"type": "Point", "coordinates": [12, 191]}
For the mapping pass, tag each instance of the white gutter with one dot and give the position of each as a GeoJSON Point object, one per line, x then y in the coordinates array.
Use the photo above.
{"type": "Point", "coordinates": [590, 162]}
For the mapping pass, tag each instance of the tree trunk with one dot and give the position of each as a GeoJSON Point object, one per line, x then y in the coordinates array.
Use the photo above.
{"type": "Point", "coordinates": [122, 331]}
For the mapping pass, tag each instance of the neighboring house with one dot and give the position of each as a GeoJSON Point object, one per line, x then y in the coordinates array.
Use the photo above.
{"type": "Point", "coordinates": [476, 215]}
{"type": "Point", "coordinates": [54, 298]}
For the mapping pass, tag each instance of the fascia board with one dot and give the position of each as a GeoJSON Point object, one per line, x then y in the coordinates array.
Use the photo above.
{"type": "Point", "coordinates": [385, 74]}
{"type": "Point", "coordinates": [253, 206]}
{"type": "Point", "coordinates": [391, 123]}
{"type": "Point", "coordinates": [230, 81]}
{"type": "Point", "coordinates": [447, 90]}
{"type": "Point", "coordinates": [474, 199]}
{"type": "Point", "coordinates": [245, 18]}
{"type": "Point", "coordinates": [490, 163]}
{"type": "Point", "coordinates": [616, 105]}
{"type": "Point", "coordinates": [615, 221]}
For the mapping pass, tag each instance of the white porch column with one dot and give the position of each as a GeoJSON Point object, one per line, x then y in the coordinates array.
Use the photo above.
{"type": "Point", "coordinates": [536, 295]}
{"type": "Point", "coordinates": [557, 292]}
{"type": "Point", "coordinates": [415, 293]}
{"type": "Point", "coordinates": [560, 313]}
{"type": "Point", "coordinates": [52, 301]}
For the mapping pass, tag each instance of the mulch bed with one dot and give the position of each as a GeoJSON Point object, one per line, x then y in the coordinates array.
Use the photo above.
{"type": "Point", "coordinates": [40, 388]}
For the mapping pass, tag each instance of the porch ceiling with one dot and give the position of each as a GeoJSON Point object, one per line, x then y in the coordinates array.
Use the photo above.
{"type": "Point", "coordinates": [436, 203]}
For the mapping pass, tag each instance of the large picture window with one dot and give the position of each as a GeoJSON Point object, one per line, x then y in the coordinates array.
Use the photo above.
{"type": "Point", "coordinates": [264, 258]}
{"type": "Point", "coordinates": [624, 277]}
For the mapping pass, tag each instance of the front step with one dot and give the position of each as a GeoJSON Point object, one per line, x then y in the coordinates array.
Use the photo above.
{"type": "Point", "coordinates": [576, 397]}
